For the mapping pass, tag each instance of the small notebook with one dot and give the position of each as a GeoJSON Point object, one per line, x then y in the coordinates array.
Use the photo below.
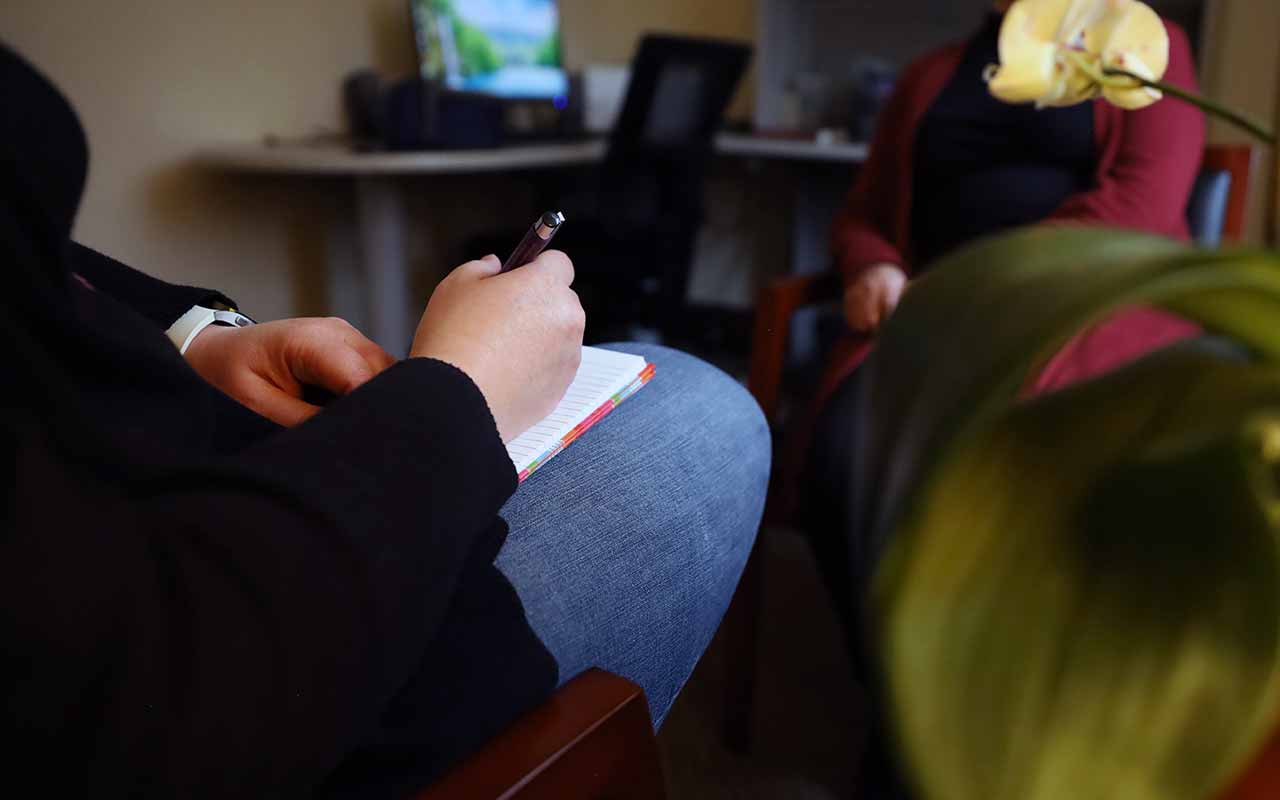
{"type": "Point", "coordinates": [604, 380]}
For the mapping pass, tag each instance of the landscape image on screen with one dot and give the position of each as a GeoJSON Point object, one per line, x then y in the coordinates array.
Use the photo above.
{"type": "Point", "coordinates": [509, 48]}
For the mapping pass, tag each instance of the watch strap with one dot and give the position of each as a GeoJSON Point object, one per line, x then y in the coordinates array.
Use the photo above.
{"type": "Point", "coordinates": [183, 332]}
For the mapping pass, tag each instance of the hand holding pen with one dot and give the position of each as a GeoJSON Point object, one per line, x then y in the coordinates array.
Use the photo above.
{"type": "Point", "coordinates": [518, 336]}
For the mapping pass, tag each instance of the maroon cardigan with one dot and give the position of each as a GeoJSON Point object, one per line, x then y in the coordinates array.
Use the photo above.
{"type": "Point", "coordinates": [1147, 165]}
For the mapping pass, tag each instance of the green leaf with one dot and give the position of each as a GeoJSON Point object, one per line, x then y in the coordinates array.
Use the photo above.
{"type": "Point", "coordinates": [1081, 598]}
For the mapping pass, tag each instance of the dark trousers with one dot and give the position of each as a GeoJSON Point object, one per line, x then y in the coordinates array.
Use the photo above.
{"type": "Point", "coordinates": [834, 518]}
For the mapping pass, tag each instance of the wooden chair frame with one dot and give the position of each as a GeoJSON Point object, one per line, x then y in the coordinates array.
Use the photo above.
{"type": "Point", "coordinates": [593, 739]}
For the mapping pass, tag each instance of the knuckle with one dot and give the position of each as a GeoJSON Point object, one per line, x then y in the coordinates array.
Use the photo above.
{"type": "Point", "coordinates": [546, 279]}
{"type": "Point", "coordinates": [562, 258]}
{"type": "Point", "coordinates": [558, 263]}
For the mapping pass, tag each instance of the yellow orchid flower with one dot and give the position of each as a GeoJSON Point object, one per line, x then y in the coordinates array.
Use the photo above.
{"type": "Point", "coordinates": [1132, 38]}
{"type": "Point", "coordinates": [1059, 52]}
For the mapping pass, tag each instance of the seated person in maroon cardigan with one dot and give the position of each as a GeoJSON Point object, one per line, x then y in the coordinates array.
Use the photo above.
{"type": "Point", "coordinates": [949, 164]}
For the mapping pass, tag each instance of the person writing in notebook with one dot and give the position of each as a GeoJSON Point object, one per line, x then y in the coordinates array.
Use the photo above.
{"type": "Point", "coordinates": [213, 588]}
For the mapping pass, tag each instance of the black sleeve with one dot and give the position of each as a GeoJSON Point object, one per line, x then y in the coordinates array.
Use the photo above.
{"type": "Point", "coordinates": [160, 302]}
{"type": "Point", "coordinates": [242, 623]}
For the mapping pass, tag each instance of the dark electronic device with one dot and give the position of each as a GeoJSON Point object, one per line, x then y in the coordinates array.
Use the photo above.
{"type": "Point", "coordinates": [421, 114]}
{"type": "Point", "coordinates": [508, 53]}
{"type": "Point", "coordinates": [417, 114]}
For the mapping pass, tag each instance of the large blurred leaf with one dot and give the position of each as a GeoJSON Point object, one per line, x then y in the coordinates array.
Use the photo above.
{"type": "Point", "coordinates": [968, 334]}
{"type": "Point", "coordinates": [1081, 598]}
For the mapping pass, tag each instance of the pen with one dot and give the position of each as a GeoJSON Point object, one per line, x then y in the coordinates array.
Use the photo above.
{"type": "Point", "coordinates": [535, 241]}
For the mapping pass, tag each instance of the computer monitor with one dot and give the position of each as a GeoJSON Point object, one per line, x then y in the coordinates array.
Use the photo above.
{"type": "Point", "coordinates": [504, 48]}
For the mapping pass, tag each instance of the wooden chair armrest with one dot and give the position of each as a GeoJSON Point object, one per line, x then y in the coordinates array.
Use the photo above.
{"type": "Point", "coordinates": [593, 738]}
{"type": "Point", "coordinates": [776, 304]}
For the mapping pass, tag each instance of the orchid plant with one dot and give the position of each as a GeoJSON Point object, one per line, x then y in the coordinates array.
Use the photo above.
{"type": "Point", "coordinates": [1064, 52]}
{"type": "Point", "coordinates": [1080, 592]}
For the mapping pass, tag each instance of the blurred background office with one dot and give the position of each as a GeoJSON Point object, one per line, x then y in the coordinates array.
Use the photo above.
{"type": "Point", "coordinates": [161, 84]}
{"type": "Point", "coordinates": [156, 82]}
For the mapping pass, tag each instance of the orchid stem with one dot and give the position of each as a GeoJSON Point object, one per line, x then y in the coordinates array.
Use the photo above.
{"type": "Point", "coordinates": [1242, 121]}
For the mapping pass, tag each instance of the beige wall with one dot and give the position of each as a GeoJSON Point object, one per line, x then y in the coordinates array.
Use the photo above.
{"type": "Point", "coordinates": [605, 31]}
{"type": "Point", "coordinates": [155, 80]}
{"type": "Point", "coordinates": [1242, 69]}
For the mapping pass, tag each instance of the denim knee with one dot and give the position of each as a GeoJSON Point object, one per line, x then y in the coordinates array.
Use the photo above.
{"type": "Point", "coordinates": [737, 425]}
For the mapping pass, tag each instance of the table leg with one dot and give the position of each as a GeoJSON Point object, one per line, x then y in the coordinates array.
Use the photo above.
{"type": "Point", "coordinates": [383, 230]}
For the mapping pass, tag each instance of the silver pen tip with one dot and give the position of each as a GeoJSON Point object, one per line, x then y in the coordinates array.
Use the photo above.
{"type": "Point", "coordinates": [549, 223]}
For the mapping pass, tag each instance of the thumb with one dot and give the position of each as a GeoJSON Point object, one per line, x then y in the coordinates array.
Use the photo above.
{"type": "Point", "coordinates": [483, 268]}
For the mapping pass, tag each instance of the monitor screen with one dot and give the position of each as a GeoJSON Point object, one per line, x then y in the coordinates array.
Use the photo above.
{"type": "Point", "coordinates": [507, 48]}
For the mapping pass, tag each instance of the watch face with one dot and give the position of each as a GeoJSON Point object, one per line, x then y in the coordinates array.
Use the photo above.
{"type": "Point", "coordinates": [232, 318]}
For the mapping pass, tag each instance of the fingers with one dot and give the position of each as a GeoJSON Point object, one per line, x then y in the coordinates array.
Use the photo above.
{"type": "Point", "coordinates": [554, 265]}
{"type": "Point", "coordinates": [860, 309]}
{"type": "Point", "coordinates": [335, 366]}
{"type": "Point", "coordinates": [480, 269]}
{"type": "Point", "coordinates": [281, 407]}
{"type": "Point", "coordinates": [888, 302]}
{"type": "Point", "coordinates": [373, 354]}
{"type": "Point", "coordinates": [327, 360]}
{"type": "Point", "coordinates": [873, 298]}
{"type": "Point", "coordinates": [867, 310]}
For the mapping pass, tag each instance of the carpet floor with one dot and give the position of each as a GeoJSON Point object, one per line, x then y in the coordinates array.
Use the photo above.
{"type": "Point", "coordinates": [808, 726]}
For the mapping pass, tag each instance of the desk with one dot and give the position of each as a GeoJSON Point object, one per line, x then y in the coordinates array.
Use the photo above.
{"type": "Point", "coordinates": [381, 218]}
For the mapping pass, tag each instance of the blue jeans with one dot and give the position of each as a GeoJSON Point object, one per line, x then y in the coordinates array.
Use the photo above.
{"type": "Point", "coordinates": [626, 548]}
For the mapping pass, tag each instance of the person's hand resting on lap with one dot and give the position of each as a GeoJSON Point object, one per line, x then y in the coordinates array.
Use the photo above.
{"type": "Point", "coordinates": [518, 336]}
{"type": "Point", "coordinates": [873, 296]}
{"type": "Point", "coordinates": [265, 367]}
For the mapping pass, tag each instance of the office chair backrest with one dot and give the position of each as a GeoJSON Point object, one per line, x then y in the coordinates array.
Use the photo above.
{"type": "Point", "coordinates": [680, 88]}
{"type": "Point", "coordinates": [1207, 211]}
{"type": "Point", "coordinates": [661, 144]}
{"type": "Point", "coordinates": [1217, 210]}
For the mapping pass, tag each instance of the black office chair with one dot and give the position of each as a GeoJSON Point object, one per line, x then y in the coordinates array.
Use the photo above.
{"type": "Point", "coordinates": [632, 225]}
{"type": "Point", "coordinates": [649, 202]}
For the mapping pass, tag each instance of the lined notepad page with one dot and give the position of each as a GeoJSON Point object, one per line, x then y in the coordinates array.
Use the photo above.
{"type": "Point", "coordinates": [604, 378]}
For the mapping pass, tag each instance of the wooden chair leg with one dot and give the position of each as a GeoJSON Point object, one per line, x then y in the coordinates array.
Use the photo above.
{"type": "Point", "coordinates": [741, 653]}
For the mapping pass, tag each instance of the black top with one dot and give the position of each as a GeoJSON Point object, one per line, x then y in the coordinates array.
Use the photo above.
{"type": "Point", "coordinates": [196, 602]}
{"type": "Point", "coordinates": [983, 166]}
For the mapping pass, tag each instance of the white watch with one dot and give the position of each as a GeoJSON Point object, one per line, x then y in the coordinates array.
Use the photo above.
{"type": "Point", "coordinates": [183, 332]}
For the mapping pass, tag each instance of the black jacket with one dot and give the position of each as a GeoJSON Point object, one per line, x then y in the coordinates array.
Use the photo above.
{"type": "Point", "coordinates": [194, 601]}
